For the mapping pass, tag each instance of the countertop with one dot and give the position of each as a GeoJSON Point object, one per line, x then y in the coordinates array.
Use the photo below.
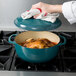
{"type": "Point", "coordinates": [20, 73]}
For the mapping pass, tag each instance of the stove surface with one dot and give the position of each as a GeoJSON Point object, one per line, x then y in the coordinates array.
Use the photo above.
{"type": "Point", "coordinates": [65, 61]}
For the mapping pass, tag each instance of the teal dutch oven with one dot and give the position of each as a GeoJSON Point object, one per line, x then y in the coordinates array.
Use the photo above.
{"type": "Point", "coordinates": [36, 55]}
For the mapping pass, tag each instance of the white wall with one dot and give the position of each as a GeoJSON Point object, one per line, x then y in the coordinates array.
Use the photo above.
{"type": "Point", "coordinates": [10, 9]}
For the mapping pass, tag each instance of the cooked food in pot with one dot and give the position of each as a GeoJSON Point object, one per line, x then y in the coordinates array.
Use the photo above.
{"type": "Point", "coordinates": [39, 43]}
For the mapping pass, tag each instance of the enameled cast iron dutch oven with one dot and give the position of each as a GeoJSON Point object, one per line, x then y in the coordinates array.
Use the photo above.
{"type": "Point", "coordinates": [36, 55]}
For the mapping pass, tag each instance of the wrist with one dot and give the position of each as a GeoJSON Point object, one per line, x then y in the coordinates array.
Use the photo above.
{"type": "Point", "coordinates": [55, 8]}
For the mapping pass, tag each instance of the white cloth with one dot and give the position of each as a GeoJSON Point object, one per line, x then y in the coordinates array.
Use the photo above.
{"type": "Point", "coordinates": [69, 11]}
{"type": "Point", "coordinates": [28, 14]}
{"type": "Point", "coordinates": [48, 17]}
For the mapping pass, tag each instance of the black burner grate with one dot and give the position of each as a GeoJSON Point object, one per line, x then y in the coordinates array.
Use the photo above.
{"type": "Point", "coordinates": [52, 65]}
{"type": "Point", "coordinates": [6, 51]}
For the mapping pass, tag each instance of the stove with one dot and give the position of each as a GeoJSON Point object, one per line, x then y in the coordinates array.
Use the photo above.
{"type": "Point", "coordinates": [65, 61]}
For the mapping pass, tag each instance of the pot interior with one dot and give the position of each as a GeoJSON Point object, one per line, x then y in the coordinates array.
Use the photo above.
{"type": "Point", "coordinates": [37, 34]}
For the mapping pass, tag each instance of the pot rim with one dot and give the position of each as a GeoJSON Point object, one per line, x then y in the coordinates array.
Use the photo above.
{"type": "Point", "coordinates": [42, 35]}
{"type": "Point", "coordinates": [42, 48]}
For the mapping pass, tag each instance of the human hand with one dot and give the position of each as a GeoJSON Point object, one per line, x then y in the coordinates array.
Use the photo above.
{"type": "Point", "coordinates": [47, 8]}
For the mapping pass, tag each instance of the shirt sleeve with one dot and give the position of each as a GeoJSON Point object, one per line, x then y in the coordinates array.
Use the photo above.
{"type": "Point", "coordinates": [69, 11]}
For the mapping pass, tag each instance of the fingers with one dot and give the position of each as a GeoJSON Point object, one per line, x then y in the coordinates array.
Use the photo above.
{"type": "Point", "coordinates": [37, 5]}
{"type": "Point", "coordinates": [36, 16]}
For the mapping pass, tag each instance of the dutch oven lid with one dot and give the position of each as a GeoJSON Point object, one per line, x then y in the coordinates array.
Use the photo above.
{"type": "Point", "coordinates": [36, 24]}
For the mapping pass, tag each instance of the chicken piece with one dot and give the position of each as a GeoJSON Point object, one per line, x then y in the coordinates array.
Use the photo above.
{"type": "Point", "coordinates": [30, 40]}
{"type": "Point", "coordinates": [48, 42]}
{"type": "Point", "coordinates": [45, 40]}
{"type": "Point", "coordinates": [26, 41]}
{"type": "Point", "coordinates": [38, 43]}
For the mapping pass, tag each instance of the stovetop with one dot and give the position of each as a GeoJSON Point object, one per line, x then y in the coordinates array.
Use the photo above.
{"type": "Point", "coordinates": [65, 61]}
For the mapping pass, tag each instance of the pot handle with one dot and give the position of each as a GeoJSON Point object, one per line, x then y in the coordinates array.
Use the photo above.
{"type": "Point", "coordinates": [63, 43]}
{"type": "Point", "coordinates": [9, 39]}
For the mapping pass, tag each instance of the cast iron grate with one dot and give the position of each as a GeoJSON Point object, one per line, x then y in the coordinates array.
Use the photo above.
{"type": "Point", "coordinates": [21, 65]}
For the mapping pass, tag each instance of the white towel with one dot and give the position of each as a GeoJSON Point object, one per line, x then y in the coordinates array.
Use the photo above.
{"type": "Point", "coordinates": [43, 16]}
